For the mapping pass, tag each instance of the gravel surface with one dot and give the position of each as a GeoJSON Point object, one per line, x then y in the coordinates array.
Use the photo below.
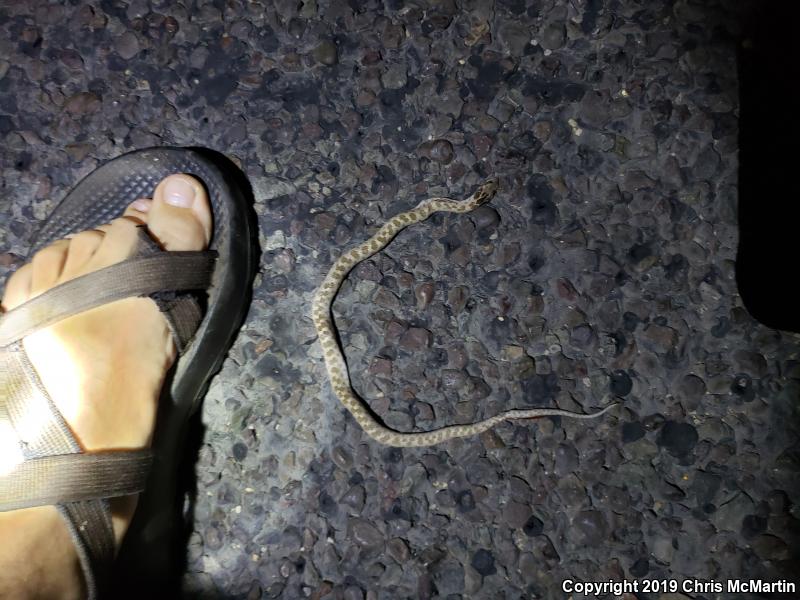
{"type": "Point", "coordinates": [603, 270]}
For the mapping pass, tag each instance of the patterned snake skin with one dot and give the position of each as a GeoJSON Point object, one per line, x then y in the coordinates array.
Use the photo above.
{"type": "Point", "coordinates": [334, 359]}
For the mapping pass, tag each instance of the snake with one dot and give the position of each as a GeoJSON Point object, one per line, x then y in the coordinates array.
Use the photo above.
{"type": "Point", "coordinates": [336, 365]}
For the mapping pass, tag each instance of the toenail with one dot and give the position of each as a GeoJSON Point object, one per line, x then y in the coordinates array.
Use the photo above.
{"type": "Point", "coordinates": [179, 192]}
{"type": "Point", "coordinates": [141, 205]}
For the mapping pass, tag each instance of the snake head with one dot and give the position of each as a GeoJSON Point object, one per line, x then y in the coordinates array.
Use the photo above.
{"type": "Point", "coordinates": [487, 191]}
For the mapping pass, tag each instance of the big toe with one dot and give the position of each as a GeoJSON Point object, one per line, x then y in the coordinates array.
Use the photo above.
{"type": "Point", "coordinates": [180, 217]}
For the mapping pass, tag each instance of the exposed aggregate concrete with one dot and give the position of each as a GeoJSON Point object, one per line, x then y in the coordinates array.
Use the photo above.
{"type": "Point", "coordinates": [602, 270]}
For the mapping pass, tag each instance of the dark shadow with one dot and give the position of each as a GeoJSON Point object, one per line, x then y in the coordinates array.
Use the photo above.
{"type": "Point", "coordinates": [145, 569]}
{"type": "Point", "coordinates": [769, 242]}
{"type": "Point", "coordinates": [769, 234]}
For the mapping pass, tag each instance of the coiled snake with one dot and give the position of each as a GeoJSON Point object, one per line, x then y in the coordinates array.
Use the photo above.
{"type": "Point", "coordinates": [334, 359]}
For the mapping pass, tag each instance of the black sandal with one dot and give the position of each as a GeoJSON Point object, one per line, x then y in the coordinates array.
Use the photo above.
{"type": "Point", "coordinates": [204, 296]}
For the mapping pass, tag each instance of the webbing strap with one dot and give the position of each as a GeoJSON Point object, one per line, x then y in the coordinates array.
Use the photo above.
{"type": "Point", "coordinates": [138, 276]}
{"type": "Point", "coordinates": [62, 478]}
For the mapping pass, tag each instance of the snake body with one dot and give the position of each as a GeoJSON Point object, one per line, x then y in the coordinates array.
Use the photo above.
{"type": "Point", "coordinates": [334, 358]}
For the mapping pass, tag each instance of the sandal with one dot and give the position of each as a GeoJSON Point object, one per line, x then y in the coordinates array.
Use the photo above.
{"type": "Point", "coordinates": [56, 470]}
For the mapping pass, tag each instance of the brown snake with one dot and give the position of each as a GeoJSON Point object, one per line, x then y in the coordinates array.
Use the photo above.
{"type": "Point", "coordinates": [334, 358]}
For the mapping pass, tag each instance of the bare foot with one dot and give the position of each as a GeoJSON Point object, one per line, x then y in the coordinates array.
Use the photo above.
{"type": "Point", "coordinates": [103, 369]}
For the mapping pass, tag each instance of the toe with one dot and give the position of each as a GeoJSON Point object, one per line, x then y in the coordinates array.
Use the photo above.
{"type": "Point", "coordinates": [120, 238]}
{"type": "Point", "coordinates": [138, 210]}
{"type": "Point", "coordinates": [82, 247]}
{"type": "Point", "coordinates": [180, 215]}
{"type": "Point", "coordinates": [48, 264]}
{"type": "Point", "coordinates": [18, 287]}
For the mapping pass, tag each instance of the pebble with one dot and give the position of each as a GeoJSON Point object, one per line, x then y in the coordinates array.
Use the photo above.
{"type": "Point", "coordinates": [78, 151]}
{"type": "Point", "coordinates": [399, 420]}
{"type": "Point", "coordinates": [441, 151]}
{"type": "Point", "coordinates": [364, 533]}
{"type": "Point", "coordinates": [213, 538]}
{"type": "Point", "coordinates": [621, 383]}
{"type": "Point", "coordinates": [127, 45]}
{"type": "Point", "coordinates": [82, 103]}
{"type": "Point", "coordinates": [415, 338]}
{"type": "Point", "coordinates": [592, 527]}
{"type": "Point", "coordinates": [750, 362]}
{"type": "Point", "coordinates": [778, 502]}
{"type": "Point", "coordinates": [501, 110]}
{"type": "Point", "coordinates": [770, 547]}
{"type": "Point", "coordinates": [473, 581]}
{"type": "Point", "coordinates": [566, 460]}
{"type": "Point", "coordinates": [342, 457]}
{"type": "Point", "coordinates": [395, 77]}
{"type": "Point", "coordinates": [239, 451]}
{"type": "Point", "coordinates": [730, 514]}
{"type": "Point", "coordinates": [515, 36]}
{"type": "Point", "coordinates": [663, 550]}
{"type": "Point", "coordinates": [753, 525]}
{"type": "Point", "coordinates": [517, 515]}
{"type": "Point", "coordinates": [449, 578]}
{"type": "Point", "coordinates": [355, 498]}
{"type": "Point", "coordinates": [352, 592]}
{"type": "Point", "coordinates": [679, 439]}
{"type": "Point", "coordinates": [326, 53]}
{"type": "Point", "coordinates": [424, 411]}
{"type": "Point", "coordinates": [393, 35]}
{"type": "Point", "coordinates": [398, 549]}
{"type": "Point", "coordinates": [452, 379]}
{"type": "Point", "coordinates": [660, 338]}
{"type": "Point", "coordinates": [581, 336]}
{"type": "Point", "coordinates": [691, 387]}
{"type": "Point", "coordinates": [424, 294]}
{"type": "Point", "coordinates": [640, 567]}
{"type": "Point", "coordinates": [465, 501]}
{"type": "Point", "coordinates": [707, 163]}
{"type": "Point", "coordinates": [483, 562]}
{"type": "Point", "coordinates": [553, 37]}
{"type": "Point", "coordinates": [705, 487]}
{"type": "Point", "coordinates": [632, 432]}
{"type": "Point", "coordinates": [533, 526]}
{"type": "Point", "coordinates": [485, 218]}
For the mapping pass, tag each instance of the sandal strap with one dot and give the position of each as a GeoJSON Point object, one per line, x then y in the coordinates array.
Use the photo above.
{"type": "Point", "coordinates": [40, 428]}
{"type": "Point", "coordinates": [92, 532]}
{"type": "Point", "coordinates": [138, 276]}
{"type": "Point", "coordinates": [181, 310]}
{"type": "Point", "coordinates": [27, 408]}
{"type": "Point", "coordinates": [182, 314]}
{"type": "Point", "coordinates": [63, 478]}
